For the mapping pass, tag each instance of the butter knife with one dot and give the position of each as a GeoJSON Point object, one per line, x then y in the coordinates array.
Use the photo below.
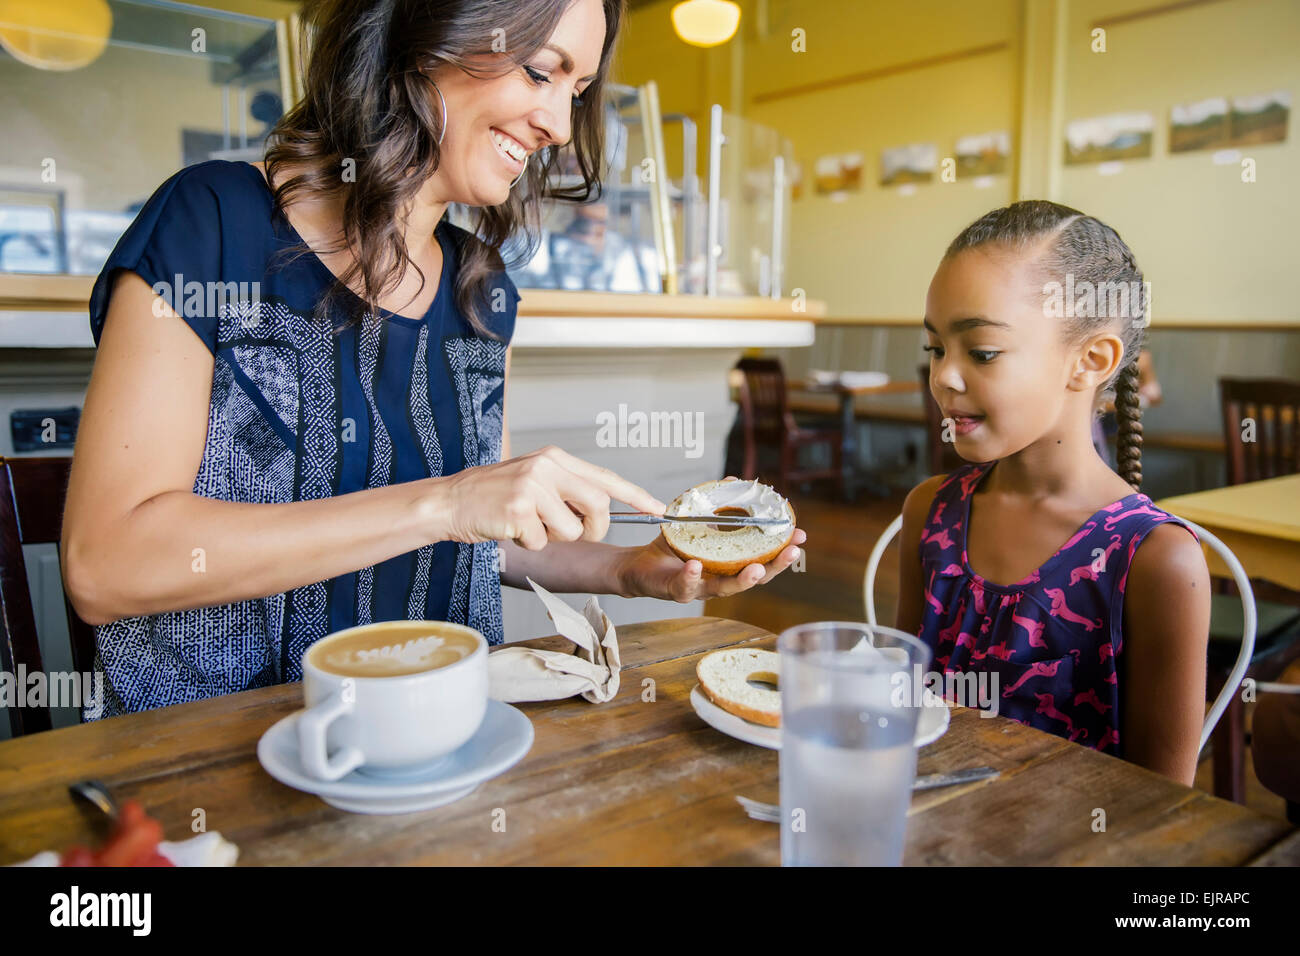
{"type": "Point", "coordinates": [737, 521]}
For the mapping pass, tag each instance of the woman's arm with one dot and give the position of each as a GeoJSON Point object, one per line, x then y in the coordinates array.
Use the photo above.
{"type": "Point", "coordinates": [911, 603]}
{"type": "Point", "coordinates": [1166, 630]}
{"type": "Point", "coordinates": [138, 541]}
{"type": "Point", "coordinates": [651, 570]}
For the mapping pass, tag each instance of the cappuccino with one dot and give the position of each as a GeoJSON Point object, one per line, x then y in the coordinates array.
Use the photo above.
{"type": "Point", "coordinates": [394, 649]}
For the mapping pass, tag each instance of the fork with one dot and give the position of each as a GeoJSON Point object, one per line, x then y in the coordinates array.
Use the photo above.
{"type": "Point", "coordinates": [771, 812]}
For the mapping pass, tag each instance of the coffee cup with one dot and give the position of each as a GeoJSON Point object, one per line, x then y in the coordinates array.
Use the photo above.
{"type": "Point", "coordinates": [390, 697]}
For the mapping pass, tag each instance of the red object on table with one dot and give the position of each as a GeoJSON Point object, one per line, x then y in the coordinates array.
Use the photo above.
{"type": "Point", "coordinates": [134, 842]}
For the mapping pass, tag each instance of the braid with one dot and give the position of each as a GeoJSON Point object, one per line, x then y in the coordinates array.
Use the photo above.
{"type": "Point", "coordinates": [1128, 412]}
{"type": "Point", "coordinates": [1128, 405]}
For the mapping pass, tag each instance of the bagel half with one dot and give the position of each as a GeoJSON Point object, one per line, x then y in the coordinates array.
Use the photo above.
{"type": "Point", "coordinates": [724, 677]}
{"type": "Point", "coordinates": [727, 551]}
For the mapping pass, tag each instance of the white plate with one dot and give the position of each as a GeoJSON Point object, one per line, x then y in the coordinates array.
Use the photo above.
{"type": "Point", "coordinates": [930, 726]}
{"type": "Point", "coordinates": [500, 742]}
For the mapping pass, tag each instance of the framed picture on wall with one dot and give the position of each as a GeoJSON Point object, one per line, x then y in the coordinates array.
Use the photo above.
{"type": "Point", "coordinates": [914, 163]}
{"type": "Point", "coordinates": [1200, 125]}
{"type": "Point", "coordinates": [1104, 139]}
{"type": "Point", "coordinates": [1261, 118]}
{"type": "Point", "coordinates": [984, 154]}
{"type": "Point", "coordinates": [838, 174]}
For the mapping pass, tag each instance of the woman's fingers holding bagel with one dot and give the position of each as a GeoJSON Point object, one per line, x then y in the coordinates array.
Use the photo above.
{"type": "Point", "coordinates": [714, 585]}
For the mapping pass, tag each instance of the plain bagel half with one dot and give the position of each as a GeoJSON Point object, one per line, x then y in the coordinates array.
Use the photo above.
{"type": "Point", "coordinates": [728, 551]}
{"type": "Point", "coordinates": [724, 677]}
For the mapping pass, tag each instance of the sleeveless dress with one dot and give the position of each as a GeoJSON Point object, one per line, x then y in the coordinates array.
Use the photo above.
{"type": "Point", "coordinates": [1050, 645]}
{"type": "Point", "coordinates": [300, 412]}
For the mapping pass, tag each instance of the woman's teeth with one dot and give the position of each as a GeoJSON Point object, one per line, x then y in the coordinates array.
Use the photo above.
{"type": "Point", "coordinates": [509, 147]}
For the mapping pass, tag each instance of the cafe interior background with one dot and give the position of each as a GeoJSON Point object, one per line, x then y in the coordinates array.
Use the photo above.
{"type": "Point", "coordinates": [816, 164]}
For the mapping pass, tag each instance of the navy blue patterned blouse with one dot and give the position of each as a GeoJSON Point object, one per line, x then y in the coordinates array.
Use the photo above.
{"type": "Point", "coordinates": [300, 411]}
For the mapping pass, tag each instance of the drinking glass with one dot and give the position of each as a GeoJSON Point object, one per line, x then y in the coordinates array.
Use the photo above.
{"type": "Point", "coordinates": [848, 720]}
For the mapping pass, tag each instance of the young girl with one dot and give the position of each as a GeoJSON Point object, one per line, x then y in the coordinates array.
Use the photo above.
{"type": "Point", "coordinates": [1036, 567]}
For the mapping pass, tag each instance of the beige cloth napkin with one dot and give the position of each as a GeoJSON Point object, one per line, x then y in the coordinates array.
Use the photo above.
{"type": "Point", "coordinates": [527, 673]}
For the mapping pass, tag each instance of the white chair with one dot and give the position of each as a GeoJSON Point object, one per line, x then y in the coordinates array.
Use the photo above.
{"type": "Point", "coordinates": [1238, 575]}
{"type": "Point", "coordinates": [873, 562]}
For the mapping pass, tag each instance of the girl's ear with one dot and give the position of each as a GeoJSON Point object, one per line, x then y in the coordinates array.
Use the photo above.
{"type": "Point", "coordinates": [1096, 361]}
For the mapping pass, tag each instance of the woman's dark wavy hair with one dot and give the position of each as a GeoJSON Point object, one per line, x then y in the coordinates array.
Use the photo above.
{"type": "Point", "coordinates": [367, 99]}
{"type": "Point", "coordinates": [1090, 250]}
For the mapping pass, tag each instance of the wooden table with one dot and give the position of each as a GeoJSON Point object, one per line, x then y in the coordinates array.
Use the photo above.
{"type": "Point", "coordinates": [1259, 521]}
{"type": "Point", "coordinates": [848, 395]}
{"type": "Point", "coordinates": [633, 781]}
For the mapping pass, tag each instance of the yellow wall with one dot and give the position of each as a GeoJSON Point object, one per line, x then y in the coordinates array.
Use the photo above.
{"type": "Point", "coordinates": [1213, 247]}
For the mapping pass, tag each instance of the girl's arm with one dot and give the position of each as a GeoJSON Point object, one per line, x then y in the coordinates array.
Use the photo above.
{"type": "Point", "coordinates": [1166, 630]}
{"type": "Point", "coordinates": [911, 603]}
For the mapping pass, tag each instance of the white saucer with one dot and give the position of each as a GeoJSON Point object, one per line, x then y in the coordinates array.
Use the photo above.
{"type": "Point", "coordinates": [930, 725]}
{"type": "Point", "coordinates": [500, 742]}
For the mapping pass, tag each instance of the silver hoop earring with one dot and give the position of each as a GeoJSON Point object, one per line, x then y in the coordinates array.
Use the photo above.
{"type": "Point", "coordinates": [442, 132]}
{"type": "Point", "coordinates": [521, 173]}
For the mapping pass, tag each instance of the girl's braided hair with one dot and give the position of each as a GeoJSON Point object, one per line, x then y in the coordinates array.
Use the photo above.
{"type": "Point", "coordinates": [1089, 250]}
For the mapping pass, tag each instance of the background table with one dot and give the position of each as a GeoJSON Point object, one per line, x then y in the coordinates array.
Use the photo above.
{"type": "Point", "coordinates": [1259, 521]}
{"type": "Point", "coordinates": [848, 395]}
{"type": "Point", "coordinates": [638, 780]}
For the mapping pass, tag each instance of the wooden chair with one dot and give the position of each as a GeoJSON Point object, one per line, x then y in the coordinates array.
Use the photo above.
{"type": "Point", "coordinates": [1267, 412]}
{"type": "Point", "coordinates": [941, 456]}
{"type": "Point", "coordinates": [771, 424]}
{"type": "Point", "coordinates": [742, 450]}
{"type": "Point", "coordinates": [32, 492]}
{"type": "Point", "coordinates": [1273, 406]}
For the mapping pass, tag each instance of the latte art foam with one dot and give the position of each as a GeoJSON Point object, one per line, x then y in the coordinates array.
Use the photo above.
{"type": "Point", "coordinates": [386, 650]}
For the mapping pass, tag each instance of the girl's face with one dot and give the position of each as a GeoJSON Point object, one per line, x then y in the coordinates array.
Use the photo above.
{"type": "Point", "coordinates": [529, 108]}
{"type": "Point", "coordinates": [999, 368]}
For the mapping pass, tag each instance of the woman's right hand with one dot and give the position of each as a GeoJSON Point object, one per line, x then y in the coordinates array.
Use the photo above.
{"type": "Point", "coordinates": [545, 495]}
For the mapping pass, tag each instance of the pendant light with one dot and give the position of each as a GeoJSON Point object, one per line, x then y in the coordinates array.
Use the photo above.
{"type": "Point", "coordinates": [55, 34]}
{"type": "Point", "coordinates": [706, 22]}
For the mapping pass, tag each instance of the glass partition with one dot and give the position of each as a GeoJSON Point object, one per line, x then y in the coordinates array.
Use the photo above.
{"type": "Point", "coordinates": [750, 182]}
{"type": "Point", "coordinates": [94, 124]}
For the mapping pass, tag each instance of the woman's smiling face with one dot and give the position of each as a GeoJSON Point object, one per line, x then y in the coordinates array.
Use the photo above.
{"type": "Point", "coordinates": [522, 111]}
{"type": "Point", "coordinates": [999, 368]}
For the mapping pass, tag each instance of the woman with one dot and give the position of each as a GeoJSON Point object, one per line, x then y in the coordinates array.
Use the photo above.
{"type": "Point", "coordinates": [326, 449]}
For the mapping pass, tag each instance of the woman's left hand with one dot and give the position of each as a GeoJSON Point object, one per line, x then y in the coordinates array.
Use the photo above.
{"type": "Point", "coordinates": [653, 570]}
